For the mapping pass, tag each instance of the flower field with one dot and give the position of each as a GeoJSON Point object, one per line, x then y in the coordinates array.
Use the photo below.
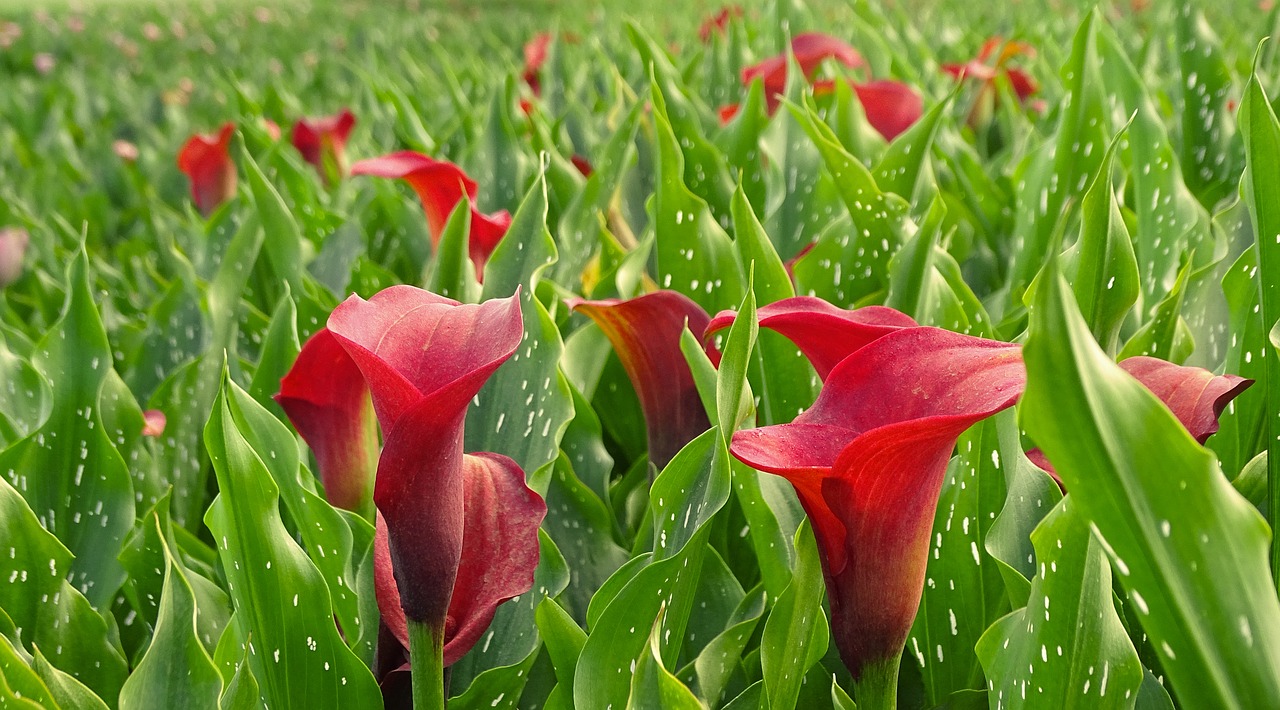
{"type": "Point", "coordinates": [790, 354]}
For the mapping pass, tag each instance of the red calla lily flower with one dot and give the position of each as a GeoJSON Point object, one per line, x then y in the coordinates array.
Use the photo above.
{"type": "Point", "coordinates": [205, 160]}
{"type": "Point", "coordinates": [458, 532]}
{"type": "Point", "coordinates": [891, 106]}
{"type": "Point", "coordinates": [718, 23]}
{"type": "Point", "coordinates": [868, 462]}
{"type": "Point", "coordinates": [645, 332]}
{"type": "Point", "coordinates": [327, 400]}
{"type": "Point", "coordinates": [440, 186]}
{"type": "Point", "coordinates": [810, 50]}
{"type": "Point", "coordinates": [323, 143]}
{"type": "Point", "coordinates": [535, 55]}
{"type": "Point", "coordinates": [826, 334]}
{"type": "Point", "coordinates": [1194, 395]}
{"type": "Point", "coordinates": [983, 69]}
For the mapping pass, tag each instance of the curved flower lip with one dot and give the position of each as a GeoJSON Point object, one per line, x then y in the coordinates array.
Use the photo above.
{"type": "Point", "coordinates": [810, 50]}
{"type": "Point", "coordinates": [1194, 395]}
{"type": "Point", "coordinates": [207, 164]}
{"type": "Point", "coordinates": [868, 460]}
{"type": "Point", "coordinates": [315, 137]}
{"type": "Point", "coordinates": [468, 342]}
{"type": "Point", "coordinates": [825, 333]}
{"type": "Point", "coordinates": [326, 399]}
{"type": "Point", "coordinates": [891, 106]}
{"type": "Point", "coordinates": [501, 520]}
{"type": "Point", "coordinates": [645, 332]}
{"type": "Point", "coordinates": [440, 186]}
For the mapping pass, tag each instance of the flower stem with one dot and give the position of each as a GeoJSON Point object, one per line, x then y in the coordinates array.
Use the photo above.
{"type": "Point", "coordinates": [877, 688]}
{"type": "Point", "coordinates": [426, 659]}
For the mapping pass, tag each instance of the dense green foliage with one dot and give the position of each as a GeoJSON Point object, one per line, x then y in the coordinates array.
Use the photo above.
{"type": "Point", "coordinates": [1130, 206]}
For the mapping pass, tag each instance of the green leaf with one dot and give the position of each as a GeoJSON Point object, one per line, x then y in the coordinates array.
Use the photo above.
{"type": "Point", "coordinates": [1210, 154]}
{"type": "Point", "coordinates": [281, 599]}
{"type": "Point", "coordinates": [581, 525]}
{"type": "Point", "coordinates": [925, 281]}
{"type": "Point", "coordinates": [69, 470]}
{"type": "Point", "coordinates": [564, 640]}
{"type": "Point", "coordinates": [1190, 551]}
{"type": "Point", "coordinates": [67, 691]}
{"type": "Point", "coordinates": [451, 273]}
{"type": "Point", "coordinates": [905, 162]}
{"type": "Point", "coordinates": [1068, 647]}
{"type": "Point", "coordinates": [787, 384]}
{"type": "Point", "coordinates": [284, 242]}
{"type": "Point", "coordinates": [722, 656]}
{"type": "Point", "coordinates": [1101, 266]}
{"type": "Point", "coordinates": [733, 394]}
{"type": "Point", "coordinates": [1164, 336]}
{"type": "Point", "coordinates": [796, 632]}
{"type": "Point", "coordinates": [280, 348]}
{"type": "Point", "coordinates": [963, 590]}
{"type": "Point", "coordinates": [579, 224]}
{"type": "Point", "coordinates": [1261, 187]}
{"type": "Point", "coordinates": [20, 681]}
{"type": "Point", "coordinates": [536, 404]}
{"type": "Point", "coordinates": [1031, 494]}
{"type": "Point", "coordinates": [176, 669]}
{"type": "Point", "coordinates": [652, 685]}
{"type": "Point", "coordinates": [846, 268]}
{"type": "Point", "coordinates": [689, 491]}
{"type": "Point", "coordinates": [1062, 173]}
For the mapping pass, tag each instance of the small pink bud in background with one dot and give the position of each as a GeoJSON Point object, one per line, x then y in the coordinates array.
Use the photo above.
{"type": "Point", "coordinates": [44, 62]}
{"type": "Point", "coordinates": [155, 422]}
{"type": "Point", "coordinates": [13, 247]}
{"type": "Point", "coordinates": [125, 151]}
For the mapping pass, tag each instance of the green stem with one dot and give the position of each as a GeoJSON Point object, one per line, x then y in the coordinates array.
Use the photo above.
{"type": "Point", "coordinates": [426, 659]}
{"type": "Point", "coordinates": [877, 687]}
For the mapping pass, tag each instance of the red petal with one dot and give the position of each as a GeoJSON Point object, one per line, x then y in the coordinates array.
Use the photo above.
{"type": "Point", "coordinates": [1023, 84]}
{"type": "Point", "coordinates": [727, 112]}
{"type": "Point", "coordinates": [891, 106]}
{"type": "Point", "coordinates": [810, 49]}
{"type": "Point", "coordinates": [894, 410]}
{"type": "Point", "coordinates": [410, 343]}
{"type": "Point", "coordinates": [313, 138]}
{"type": "Point", "coordinates": [486, 231]}
{"type": "Point", "coordinates": [1194, 395]}
{"type": "Point", "coordinates": [439, 184]}
{"type": "Point", "coordinates": [327, 401]}
{"type": "Point", "coordinates": [207, 164]}
{"type": "Point", "coordinates": [498, 562]}
{"type": "Point", "coordinates": [645, 332]}
{"type": "Point", "coordinates": [535, 55]}
{"type": "Point", "coordinates": [499, 554]}
{"type": "Point", "coordinates": [582, 164]}
{"type": "Point", "coordinates": [717, 23]}
{"type": "Point", "coordinates": [825, 333]}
